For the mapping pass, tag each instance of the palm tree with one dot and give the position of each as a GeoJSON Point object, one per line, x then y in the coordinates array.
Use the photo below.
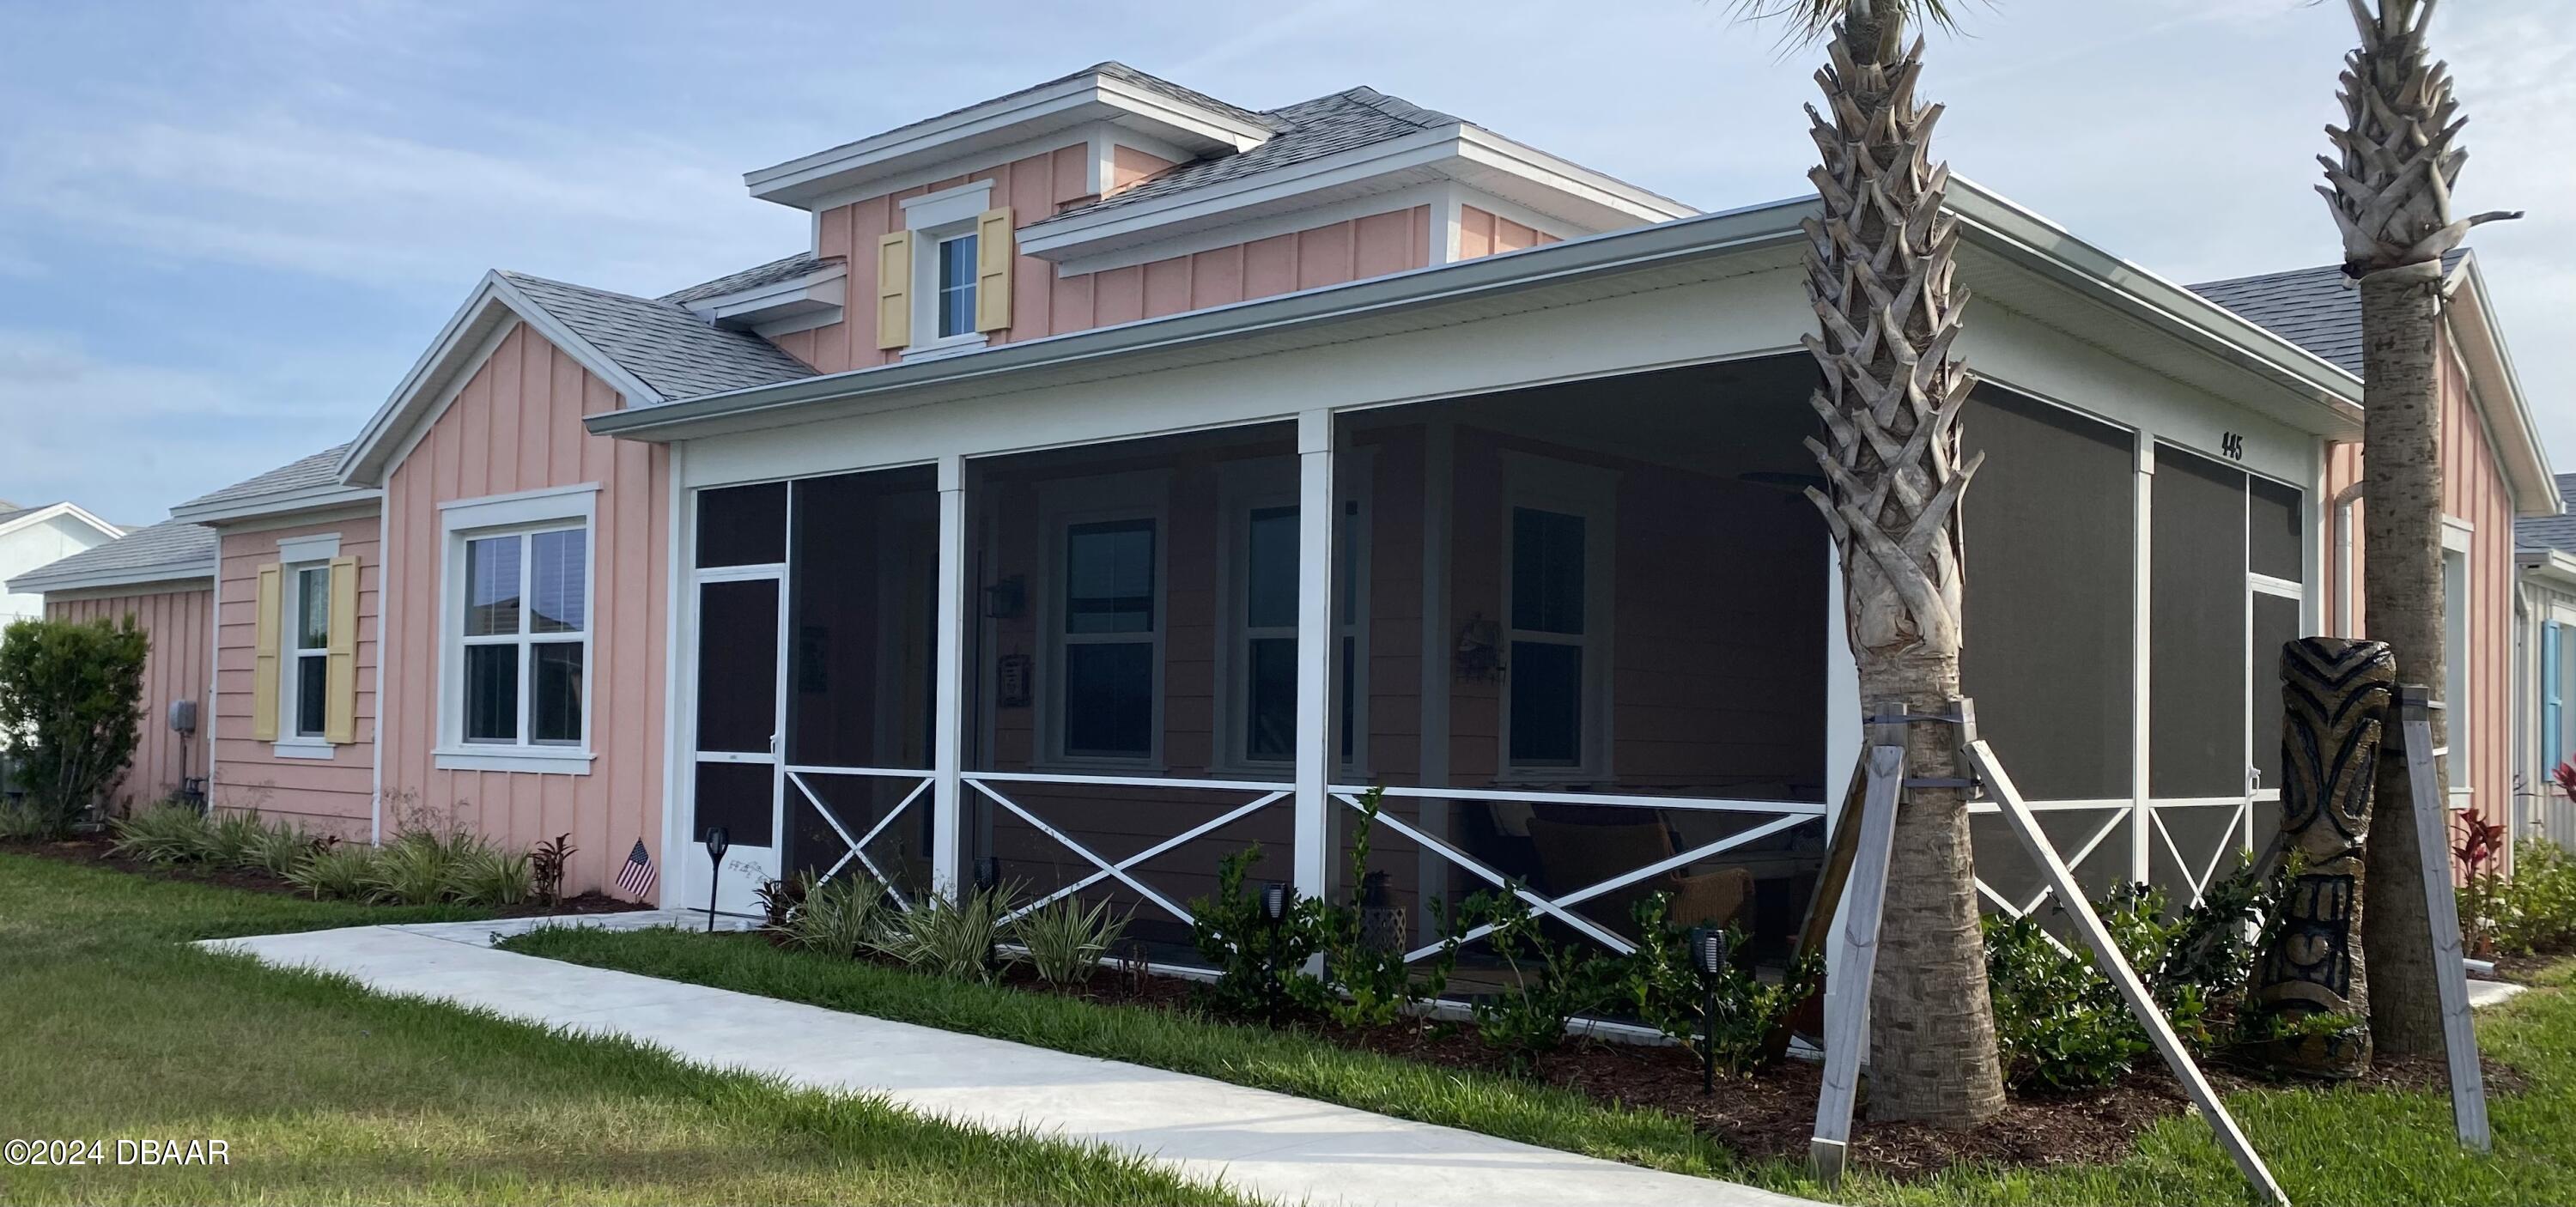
{"type": "Point", "coordinates": [2389, 188]}
{"type": "Point", "coordinates": [1878, 274]}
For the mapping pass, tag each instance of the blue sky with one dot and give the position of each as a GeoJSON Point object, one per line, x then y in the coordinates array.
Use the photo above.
{"type": "Point", "coordinates": [227, 229]}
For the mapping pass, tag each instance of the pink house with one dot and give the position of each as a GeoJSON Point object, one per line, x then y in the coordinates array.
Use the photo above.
{"type": "Point", "coordinates": [1122, 476]}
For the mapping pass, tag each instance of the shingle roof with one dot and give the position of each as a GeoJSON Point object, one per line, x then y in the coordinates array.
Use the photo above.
{"type": "Point", "coordinates": [2314, 308]}
{"type": "Point", "coordinates": [785, 268]}
{"type": "Point", "coordinates": [1111, 68]}
{"type": "Point", "coordinates": [320, 469]}
{"type": "Point", "coordinates": [675, 352]}
{"type": "Point", "coordinates": [11, 511]}
{"type": "Point", "coordinates": [184, 550]}
{"type": "Point", "coordinates": [2551, 531]}
{"type": "Point", "coordinates": [1307, 130]}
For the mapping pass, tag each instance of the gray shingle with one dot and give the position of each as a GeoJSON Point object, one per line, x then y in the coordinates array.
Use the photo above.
{"type": "Point", "coordinates": [661, 343]}
{"type": "Point", "coordinates": [320, 469]}
{"type": "Point", "coordinates": [2311, 307]}
{"type": "Point", "coordinates": [1307, 130]}
{"type": "Point", "coordinates": [1111, 68]}
{"type": "Point", "coordinates": [785, 268]}
{"type": "Point", "coordinates": [184, 550]}
{"type": "Point", "coordinates": [2551, 531]}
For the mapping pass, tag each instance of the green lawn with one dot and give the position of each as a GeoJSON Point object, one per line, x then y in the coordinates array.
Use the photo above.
{"type": "Point", "coordinates": [110, 1027]}
{"type": "Point", "coordinates": [2324, 1147]}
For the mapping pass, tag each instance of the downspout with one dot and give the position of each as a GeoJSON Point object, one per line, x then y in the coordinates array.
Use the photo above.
{"type": "Point", "coordinates": [2345, 612]}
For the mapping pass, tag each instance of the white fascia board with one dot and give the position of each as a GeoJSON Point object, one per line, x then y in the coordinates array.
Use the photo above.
{"type": "Point", "coordinates": [2025, 237]}
{"type": "Point", "coordinates": [281, 503]}
{"type": "Point", "coordinates": [164, 580]}
{"type": "Point", "coordinates": [38, 515]}
{"type": "Point", "coordinates": [452, 358]}
{"type": "Point", "coordinates": [1443, 197]}
{"type": "Point", "coordinates": [820, 290]}
{"type": "Point", "coordinates": [2496, 390]}
{"type": "Point", "coordinates": [2553, 566]}
{"type": "Point", "coordinates": [1445, 151]}
{"type": "Point", "coordinates": [798, 181]}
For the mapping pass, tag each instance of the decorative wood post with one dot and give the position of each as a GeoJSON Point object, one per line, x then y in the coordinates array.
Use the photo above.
{"type": "Point", "coordinates": [2335, 694]}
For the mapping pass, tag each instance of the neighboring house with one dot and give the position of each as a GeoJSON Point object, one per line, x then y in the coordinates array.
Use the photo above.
{"type": "Point", "coordinates": [2545, 695]}
{"type": "Point", "coordinates": [162, 577]}
{"type": "Point", "coordinates": [2494, 473]}
{"type": "Point", "coordinates": [1121, 475]}
{"type": "Point", "coordinates": [35, 536]}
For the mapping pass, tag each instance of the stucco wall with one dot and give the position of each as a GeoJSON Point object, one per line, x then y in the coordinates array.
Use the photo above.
{"type": "Point", "coordinates": [180, 623]}
{"type": "Point", "coordinates": [334, 795]}
{"type": "Point", "coordinates": [515, 426]}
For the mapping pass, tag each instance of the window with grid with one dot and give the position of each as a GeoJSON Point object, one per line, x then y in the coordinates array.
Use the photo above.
{"type": "Point", "coordinates": [1109, 633]}
{"type": "Point", "coordinates": [526, 636]}
{"type": "Point", "coordinates": [308, 662]}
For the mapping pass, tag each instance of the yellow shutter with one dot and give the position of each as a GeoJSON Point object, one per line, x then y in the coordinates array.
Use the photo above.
{"type": "Point", "coordinates": [994, 255]}
{"type": "Point", "coordinates": [340, 713]}
{"type": "Point", "coordinates": [264, 667]}
{"type": "Point", "coordinates": [894, 290]}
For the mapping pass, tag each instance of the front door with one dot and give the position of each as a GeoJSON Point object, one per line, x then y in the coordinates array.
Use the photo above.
{"type": "Point", "coordinates": [735, 765]}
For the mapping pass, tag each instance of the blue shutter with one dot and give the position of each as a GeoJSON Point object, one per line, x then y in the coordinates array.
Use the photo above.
{"type": "Point", "coordinates": [2551, 690]}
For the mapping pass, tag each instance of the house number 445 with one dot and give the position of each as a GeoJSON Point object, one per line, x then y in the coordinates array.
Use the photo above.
{"type": "Point", "coordinates": [2233, 445]}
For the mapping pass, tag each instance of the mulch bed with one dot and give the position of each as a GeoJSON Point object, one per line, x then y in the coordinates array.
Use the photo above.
{"type": "Point", "coordinates": [2523, 969]}
{"type": "Point", "coordinates": [93, 851]}
{"type": "Point", "coordinates": [1771, 1112]}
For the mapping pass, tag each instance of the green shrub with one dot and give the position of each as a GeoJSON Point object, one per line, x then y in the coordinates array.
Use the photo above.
{"type": "Point", "coordinates": [1553, 981]}
{"type": "Point", "coordinates": [344, 871]}
{"type": "Point", "coordinates": [419, 867]}
{"type": "Point", "coordinates": [845, 917]}
{"type": "Point", "coordinates": [2057, 1022]}
{"type": "Point", "coordinates": [277, 849]}
{"type": "Point", "coordinates": [1371, 984]}
{"type": "Point", "coordinates": [1260, 964]}
{"type": "Point", "coordinates": [2535, 910]}
{"type": "Point", "coordinates": [483, 875]}
{"type": "Point", "coordinates": [1662, 984]}
{"type": "Point", "coordinates": [232, 837]}
{"type": "Point", "coordinates": [164, 834]}
{"type": "Point", "coordinates": [70, 703]}
{"type": "Point", "coordinates": [1066, 939]}
{"type": "Point", "coordinates": [954, 939]}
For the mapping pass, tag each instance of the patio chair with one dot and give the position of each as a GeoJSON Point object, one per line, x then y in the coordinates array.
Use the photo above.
{"type": "Point", "coordinates": [1574, 855]}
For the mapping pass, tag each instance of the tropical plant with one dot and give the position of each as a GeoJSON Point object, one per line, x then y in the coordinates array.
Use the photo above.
{"type": "Point", "coordinates": [779, 898]}
{"type": "Point", "coordinates": [1661, 983]}
{"type": "Point", "coordinates": [1879, 277]}
{"type": "Point", "coordinates": [2477, 849]}
{"type": "Point", "coordinates": [845, 917]}
{"type": "Point", "coordinates": [1066, 939]}
{"type": "Point", "coordinates": [958, 939]}
{"type": "Point", "coordinates": [2535, 910]}
{"type": "Point", "coordinates": [1260, 961]}
{"type": "Point", "coordinates": [277, 849]}
{"type": "Point", "coordinates": [162, 834]}
{"type": "Point", "coordinates": [2389, 186]}
{"type": "Point", "coordinates": [483, 875]}
{"type": "Point", "coordinates": [1372, 984]}
{"type": "Point", "coordinates": [346, 871]}
{"type": "Point", "coordinates": [1553, 981]}
{"type": "Point", "coordinates": [70, 697]}
{"type": "Point", "coordinates": [233, 837]}
{"type": "Point", "coordinates": [419, 866]}
{"type": "Point", "coordinates": [546, 869]}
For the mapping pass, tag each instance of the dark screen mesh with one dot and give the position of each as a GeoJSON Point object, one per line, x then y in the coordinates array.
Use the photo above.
{"type": "Point", "coordinates": [2196, 618]}
{"type": "Point", "coordinates": [862, 614]}
{"type": "Point", "coordinates": [2273, 527]}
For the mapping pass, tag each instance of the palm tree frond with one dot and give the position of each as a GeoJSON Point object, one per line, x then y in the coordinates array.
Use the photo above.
{"type": "Point", "coordinates": [1809, 20]}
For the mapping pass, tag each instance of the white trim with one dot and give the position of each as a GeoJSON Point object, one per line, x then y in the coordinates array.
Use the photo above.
{"type": "Point", "coordinates": [520, 514]}
{"type": "Point", "coordinates": [66, 508]}
{"type": "Point", "coordinates": [302, 748]}
{"type": "Point", "coordinates": [152, 586]}
{"type": "Point", "coordinates": [1105, 498]}
{"type": "Point", "coordinates": [535, 760]}
{"type": "Point", "coordinates": [471, 366]}
{"type": "Point", "coordinates": [375, 746]}
{"type": "Point", "coordinates": [542, 505]}
{"type": "Point", "coordinates": [797, 303]}
{"type": "Point", "coordinates": [277, 505]}
{"type": "Point", "coordinates": [942, 348]}
{"type": "Point", "coordinates": [2457, 534]}
{"type": "Point", "coordinates": [947, 207]}
{"type": "Point", "coordinates": [679, 669]}
{"type": "Point", "coordinates": [1442, 198]}
{"type": "Point", "coordinates": [1590, 493]}
{"type": "Point", "coordinates": [1257, 484]}
{"type": "Point", "coordinates": [987, 162]}
{"type": "Point", "coordinates": [174, 576]}
{"type": "Point", "coordinates": [318, 547]}
{"type": "Point", "coordinates": [292, 651]}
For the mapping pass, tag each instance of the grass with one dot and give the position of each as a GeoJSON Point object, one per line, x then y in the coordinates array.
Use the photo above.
{"type": "Point", "coordinates": [326, 1093]}
{"type": "Point", "coordinates": [2325, 1147]}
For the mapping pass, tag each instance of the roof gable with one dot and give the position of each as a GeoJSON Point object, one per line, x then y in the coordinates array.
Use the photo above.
{"type": "Point", "coordinates": [2551, 531]}
{"type": "Point", "coordinates": [164, 552]}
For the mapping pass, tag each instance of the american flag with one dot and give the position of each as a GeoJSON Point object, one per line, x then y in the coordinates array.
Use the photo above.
{"type": "Point", "coordinates": [637, 878]}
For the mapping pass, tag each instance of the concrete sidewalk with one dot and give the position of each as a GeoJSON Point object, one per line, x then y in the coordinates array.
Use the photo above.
{"type": "Point", "coordinates": [1271, 1146]}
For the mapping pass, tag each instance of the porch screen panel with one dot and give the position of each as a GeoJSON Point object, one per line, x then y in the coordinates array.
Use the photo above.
{"type": "Point", "coordinates": [737, 797]}
{"type": "Point", "coordinates": [1109, 632]}
{"type": "Point", "coordinates": [742, 525]}
{"type": "Point", "coordinates": [2048, 613]}
{"type": "Point", "coordinates": [737, 665]}
{"type": "Point", "coordinates": [862, 620]}
{"type": "Point", "coordinates": [2196, 639]}
{"type": "Point", "coordinates": [2276, 624]}
{"type": "Point", "coordinates": [2274, 531]}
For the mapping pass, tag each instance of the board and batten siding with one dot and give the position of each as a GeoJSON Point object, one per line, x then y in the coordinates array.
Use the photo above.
{"type": "Point", "coordinates": [180, 624]}
{"type": "Point", "coordinates": [515, 426]}
{"type": "Point", "coordinates": [2474, 490]}
{"type": "Point", "coordinates": [334, 795]}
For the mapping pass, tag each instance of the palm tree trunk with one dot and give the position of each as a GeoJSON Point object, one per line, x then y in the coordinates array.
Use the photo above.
{"type": "Point", "coordinates": [2390, 193]}
{"type": "Point", "coordinates": [1878, 274]}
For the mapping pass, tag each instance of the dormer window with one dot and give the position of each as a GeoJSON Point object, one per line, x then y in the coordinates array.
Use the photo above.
{"type": "Point", "coordinates": [956, 297]}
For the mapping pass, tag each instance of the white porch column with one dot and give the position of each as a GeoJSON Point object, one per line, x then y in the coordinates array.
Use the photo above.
{"type": "Point", "coordinates": [1842, 742]}
{"type": "Point", "coordinates": [1315, 645]}
{"type": "Point", "coordinates": [948, 729]}
{"type": "Point", "coordinates": [2141, 595]}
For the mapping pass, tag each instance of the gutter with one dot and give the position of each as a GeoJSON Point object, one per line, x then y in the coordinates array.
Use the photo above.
{"type": "Point", "coordinates": [311, 498]}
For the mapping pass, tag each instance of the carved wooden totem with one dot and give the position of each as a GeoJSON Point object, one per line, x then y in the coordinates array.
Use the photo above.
{"type": "Point", "coordinates": [2336, 698]}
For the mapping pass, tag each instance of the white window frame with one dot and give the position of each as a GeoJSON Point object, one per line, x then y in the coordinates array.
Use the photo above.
{"type": "Point", "coordinates": [1590, 492]}
{"type": "Point", "coordinates": [935, 219]}
{"type": "Point", "coordinates": [2459, 604]}
{"type": "Point", "coordinates": [292, 742]}
{"type": "Point", "coordinates": [1063, 505]}
{"type": "Point", "coordinates": [522, 514]}
{"type": "Point", "coordinates": [1251, 487]}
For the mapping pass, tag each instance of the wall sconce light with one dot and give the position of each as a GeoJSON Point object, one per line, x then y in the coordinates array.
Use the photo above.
{"type": "Point", "coordinates": [1004, 600]}
{"type": "Point", "coordinates": [1479, 653]}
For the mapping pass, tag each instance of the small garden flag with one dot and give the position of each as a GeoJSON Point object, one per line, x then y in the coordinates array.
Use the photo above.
{"type": "Point", "coordinates": [637, 878]}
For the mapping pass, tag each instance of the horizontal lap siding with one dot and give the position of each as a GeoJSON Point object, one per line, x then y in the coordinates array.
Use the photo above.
{"type": "Point", "coordinates": [334, 795]}
{"type": "Point", "coordinates": [180, 626]}
{"type": "Point", "coordinates": [516, 426]}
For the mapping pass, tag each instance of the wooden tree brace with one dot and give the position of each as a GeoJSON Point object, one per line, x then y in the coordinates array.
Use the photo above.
{"type": "Point", "coordinates": [2441, 909]}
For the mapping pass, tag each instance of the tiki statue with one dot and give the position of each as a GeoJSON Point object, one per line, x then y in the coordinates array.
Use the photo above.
{"type": "Point", "coordinates": [2336, 695]}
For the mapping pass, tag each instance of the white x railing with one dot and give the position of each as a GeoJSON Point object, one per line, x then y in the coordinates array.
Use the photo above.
{"type": "Point", "coordinates": [858, 847]}
{"type": "Point", "coordinates": [1121, 870]}
{"type": "Point", "coordinates": [1790, 814]}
